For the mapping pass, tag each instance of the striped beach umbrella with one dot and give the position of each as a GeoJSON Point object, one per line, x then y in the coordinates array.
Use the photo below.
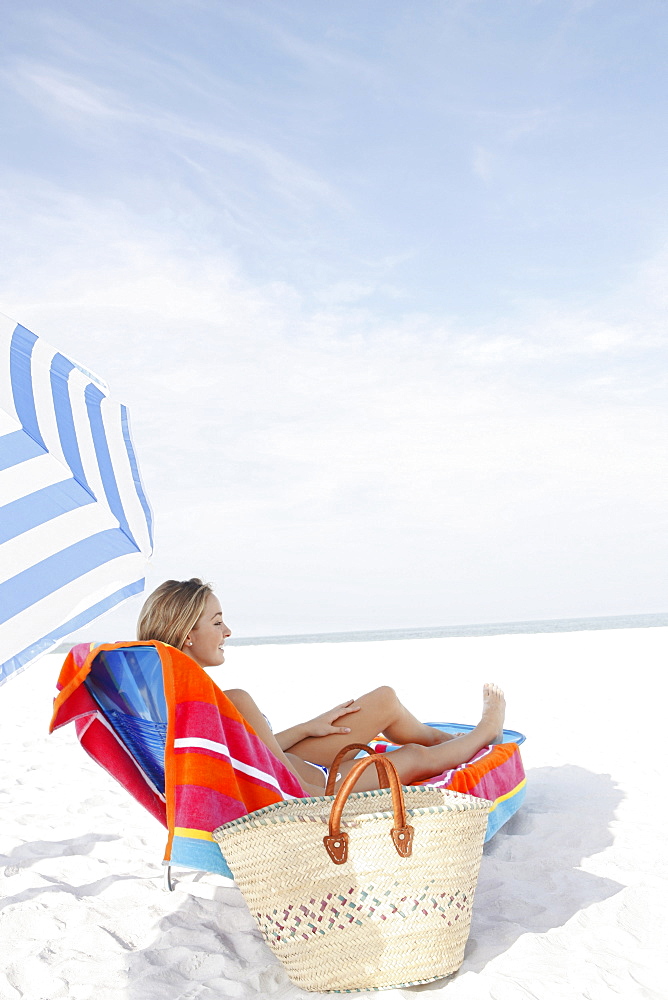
{"type": "Point", "coordinates": [75, 524]}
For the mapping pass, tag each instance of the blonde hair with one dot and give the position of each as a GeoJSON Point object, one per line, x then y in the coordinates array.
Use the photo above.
{"type": "Point", "coordinates": [172, 611]}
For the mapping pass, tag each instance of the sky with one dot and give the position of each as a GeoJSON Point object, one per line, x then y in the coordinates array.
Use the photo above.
{"type": "Point", "coordinates": [383, 285]}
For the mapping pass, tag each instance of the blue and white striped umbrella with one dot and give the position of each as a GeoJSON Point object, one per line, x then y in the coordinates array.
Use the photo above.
{"type": "Point", "coordinates": [75, 524]}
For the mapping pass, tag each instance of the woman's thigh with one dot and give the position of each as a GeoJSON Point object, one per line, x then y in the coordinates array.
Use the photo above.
{"type": "Point", "coordinates": [376, 711]}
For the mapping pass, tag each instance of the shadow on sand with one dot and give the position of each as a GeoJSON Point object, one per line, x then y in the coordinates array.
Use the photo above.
{"type": "Point", "coordinates": [530, 878]}
{"type": "Point", "coordinates": [24, 856]}
{"type": "Point", "coordinates": [30, 853]}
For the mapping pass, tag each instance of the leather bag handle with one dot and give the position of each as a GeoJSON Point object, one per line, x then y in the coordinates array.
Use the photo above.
{"type": "Point", "coordinates": [383, 780]}
{"type": "Point", "coordinates": [402, 835]}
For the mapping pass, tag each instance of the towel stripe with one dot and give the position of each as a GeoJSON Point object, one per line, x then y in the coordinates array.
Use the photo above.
{"type": "Point", "coordinates": [505, 798]}
{"type": "Point", "coordinates": [193, 743]}
{"type": "Point", "coordinates": [184, 831]}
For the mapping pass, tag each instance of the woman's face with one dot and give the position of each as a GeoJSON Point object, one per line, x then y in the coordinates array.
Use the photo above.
{"type": "Point", "coordinates": [205, 641]}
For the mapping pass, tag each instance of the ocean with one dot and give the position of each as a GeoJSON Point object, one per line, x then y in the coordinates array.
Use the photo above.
{"type": "Point", "coordinates": [454, 631]}
{"type": "Point", "coordinates": [437, 631]}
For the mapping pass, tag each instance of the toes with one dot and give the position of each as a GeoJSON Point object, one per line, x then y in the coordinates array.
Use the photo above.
{"type": "Point", "coordinates": [493, 691]}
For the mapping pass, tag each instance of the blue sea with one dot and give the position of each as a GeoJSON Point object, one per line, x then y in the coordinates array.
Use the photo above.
{"type": "Point", "coordinates": [453, 631]}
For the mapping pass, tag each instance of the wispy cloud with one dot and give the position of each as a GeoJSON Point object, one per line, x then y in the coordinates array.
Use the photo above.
{"type": "Point", "coordinates": [53, 92]}
{"type": "Point", "coordinates": [79, 101]}
{"type": "Point", "coordinates": [315, 57]}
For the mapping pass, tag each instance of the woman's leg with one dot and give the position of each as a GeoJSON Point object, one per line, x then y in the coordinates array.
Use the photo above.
{"type": "Point", "coordinates": [380, 712]}
{"type": "Point", "coordinates": [311, 779]}
{"type": "Point", "coordinates": [416, 762]}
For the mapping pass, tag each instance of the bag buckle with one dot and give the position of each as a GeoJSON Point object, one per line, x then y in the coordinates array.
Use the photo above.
{"type": "Point", "coordinates": [403, 840]}
{"type": "Point", "coordinates": [337, 848]}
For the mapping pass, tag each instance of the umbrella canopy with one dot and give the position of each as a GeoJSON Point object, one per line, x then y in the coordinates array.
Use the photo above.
{"type": "Point", "coordinates": [75, 524]}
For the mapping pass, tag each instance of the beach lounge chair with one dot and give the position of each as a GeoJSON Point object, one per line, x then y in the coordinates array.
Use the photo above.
{"type": "Point", "coordinates": [159, 725]}
{"type": "Point", "coordinates": [128, 688]}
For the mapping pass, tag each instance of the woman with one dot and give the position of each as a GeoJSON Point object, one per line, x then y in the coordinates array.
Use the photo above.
{"type": "Point", "coordinates": [187, 614]}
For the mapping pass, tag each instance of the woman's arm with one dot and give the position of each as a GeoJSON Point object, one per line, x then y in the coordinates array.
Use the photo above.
{"type": "Point", "coordinates": [252, 714]}
{"type": "Point", "coordinates": [322, 725]}
{"type": "Point", "coordinates": [289, 737]}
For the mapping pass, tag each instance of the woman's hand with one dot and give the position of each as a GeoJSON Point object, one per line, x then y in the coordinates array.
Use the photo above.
{"type": "Point", "coordinates": [323, 725]}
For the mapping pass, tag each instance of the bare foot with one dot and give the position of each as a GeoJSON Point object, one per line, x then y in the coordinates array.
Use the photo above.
{"type": "Point", "coordinates": [493, 712]}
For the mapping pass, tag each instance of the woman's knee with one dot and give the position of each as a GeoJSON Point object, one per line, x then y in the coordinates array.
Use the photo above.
{"type": "Point", "coordinates": [412, 762]}
{"type": "Point", "coordinates": [416, 751]}
{"type": "Point", "coordinates": [384, 696]}
{"type": "Point", "coordinates": [385, 705]}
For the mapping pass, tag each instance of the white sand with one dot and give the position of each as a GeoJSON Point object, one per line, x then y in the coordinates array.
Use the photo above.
{"type": "Point", "coordinates": [572, 894]}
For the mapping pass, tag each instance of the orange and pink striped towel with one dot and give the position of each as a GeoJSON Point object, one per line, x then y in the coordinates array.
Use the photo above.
{"type": "Point", "coordinates": [216, 767]}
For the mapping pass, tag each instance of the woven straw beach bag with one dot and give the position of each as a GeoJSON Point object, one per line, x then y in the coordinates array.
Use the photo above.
{"type": "Point", "coordinates": [377, 898]}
